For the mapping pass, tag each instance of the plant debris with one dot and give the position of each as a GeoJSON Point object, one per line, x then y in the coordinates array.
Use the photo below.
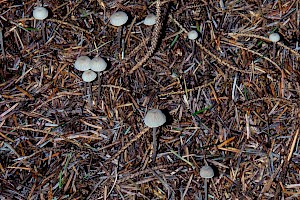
{"type": "Point", "coordinates": [231, 98]}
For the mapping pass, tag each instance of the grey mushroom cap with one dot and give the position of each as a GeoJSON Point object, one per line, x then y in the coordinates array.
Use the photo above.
{"type": "Point", "coordinates": [274, 37]}
{"type": "Point", "coordinates": [89, 76]}
{"type": "Point", "coordinates": [40, 13]}
{"type": "Point", "coordinates": [154, 118]}
{"type": "Point", "coordinates": [207, 172]}
{"type": "Point", "coordinates": [118, 18]}
{"type": "Point", "coordinates": [150, 19]}
{"type": "Point", "coordinates": [192, 35]}
{"type": "Point", "coordinates": [98, 64]}
{"type": "Point", "coordinates": [82, 63]}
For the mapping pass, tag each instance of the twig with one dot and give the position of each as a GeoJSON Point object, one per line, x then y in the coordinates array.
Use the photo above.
{"type": "Point", "coordinates": [156, 32]}
{"type": "Point", "coordinates": [265, 39]}
{"type": "Point", "coordinates": [128, 144]}
{"type": "Point", "coordinates": [219, 60]}
{"type": "Point", "coordinates": [190, 90]}
{"type": "Point", "coordinates": [68, 24]}
{"type": "Point", "coordinates": [2, 43]}
{"type": "Point", "coordinates": [254, 52]}
{"type": "Point", "coordinates": [132, 175]}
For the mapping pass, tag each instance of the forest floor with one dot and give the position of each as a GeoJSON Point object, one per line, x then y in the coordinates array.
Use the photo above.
{"type": "Point", "coordinates": [231, 98]}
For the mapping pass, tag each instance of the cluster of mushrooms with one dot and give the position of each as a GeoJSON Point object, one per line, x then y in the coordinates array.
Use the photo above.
{"type": "Point", "coordinates": [89, 67]}
{"type": "Point", "coordinates": [154, 118]}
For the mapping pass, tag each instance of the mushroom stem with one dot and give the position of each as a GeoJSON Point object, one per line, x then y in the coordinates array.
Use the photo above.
{"type": "Point", "coordinates": [206, 172]}
{"type": "Point", "coordinates": [44, 32]}
{"type": "Point", "coordinates": [99, 86]}
{"type": "Point", "coordinates": [119, 35]}
{"type": "Point", "coordinates": [85, 89]}
{"type": "Point", "coordinates": [274, 49]}
{"type": "Point", "coordinates": [193, 48]}
{"type": "Point", "coordinates": [154, 138]}
{"type": "Point", "coordinates": [90, 96]}
{"type": "Point", "coordinates": [205, 189]}
{"type": "Point", "coordinates": [123, 49]}
{"type": "Point", "coordinates": [2, 43]}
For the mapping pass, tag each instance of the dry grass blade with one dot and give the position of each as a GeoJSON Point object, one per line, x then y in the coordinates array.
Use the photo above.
{"type": "Point", "coordinates": [135, 138]}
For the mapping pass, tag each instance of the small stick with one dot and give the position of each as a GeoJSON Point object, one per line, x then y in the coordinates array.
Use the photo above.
{"type": "Point", "coordinates": [135, 138]}
{"type": "Point", "coordinates": [2, 43]}
{"type": "Point", "coordinates": [90, 97]}
{"type": "Point", "coordinates": [154, 144]}
{"type": "Point", "coordinates": [274, 50]}
{"type": "Point", "coordinates": [99, 86]}
{"type": "Point", "coordinates": [205, 189]}
{"type": "Point", "coordinates": [85, 89]}
{"type": "Point", "coordinates": [44, 32]}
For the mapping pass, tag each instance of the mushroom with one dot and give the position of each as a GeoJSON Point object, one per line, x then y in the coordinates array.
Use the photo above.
{"type": "Point", "coordinates": [82, 63]}
{"type": "Point", "coordinates": [192, 35]}
{"type": "Point", "coordinates": [98, 64]}
{"type": "Point", "coordinates": [119, 19]}
{"type": "Point", "coordinates": [150, 19]}
{"type": "Point", "coordinates": [88, 76]}
{"type": "Point", "coordinates": [206, 172]}
{"type": "Point", "coordinates": [41, 13]}
{"type": "Point", "coordinates": [153, 119]}
{"type": "Point", "coordinates": [274, 37]}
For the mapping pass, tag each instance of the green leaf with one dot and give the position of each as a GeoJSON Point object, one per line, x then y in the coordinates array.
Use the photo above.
{"type": "Point", "coordinates": [201, 111]}
{"type": "Point", "coordinates": [181, 158]}
{"type": "Point", "coordinates": [174, 41]}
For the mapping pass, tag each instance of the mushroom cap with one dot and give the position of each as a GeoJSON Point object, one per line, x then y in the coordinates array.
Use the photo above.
{"type": "Point", "coordinates": [40, 13]}
{"type": "Point", "coordinates": [150, 19]}
{"type": "Point", "coordinates": [98, 64]}
{"type": "Point", "coordinates": [89, 76]}
{"type": "Point", "coordinates": [207, 172]}
{"type": "Point", "coordinates": [83, 63]}
{"type": "Point", "coordinates": [192, 35]}
{"type": "Point", "coordinates": [274, 37]}
{"type": "Point", "coordinates": [118, 18]}
{"type": "Point", "coordinates": [154, 118]}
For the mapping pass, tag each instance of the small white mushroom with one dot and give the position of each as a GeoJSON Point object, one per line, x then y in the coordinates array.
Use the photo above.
{"type": "Point", "coordinates": [192, 35]}
{"type": "Point", "coordinates": [153, 119]}
{"type": "Point", "coordinates": [88, 76]}
{"type": "Point", "coordinates": [82, 63]}
{"type": "Point", "coordinates": [41, 13]}
{"type": "Point", "coordinates": [98, 64]}
{"type": "Point", "coordinates": [118, 18]}
{"type": "Point", "coordinates": [206, 172]}
{"type": "Point", "coordinates": [150, 19]}
{"type": "Point", "coordinates": [274, 37]}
